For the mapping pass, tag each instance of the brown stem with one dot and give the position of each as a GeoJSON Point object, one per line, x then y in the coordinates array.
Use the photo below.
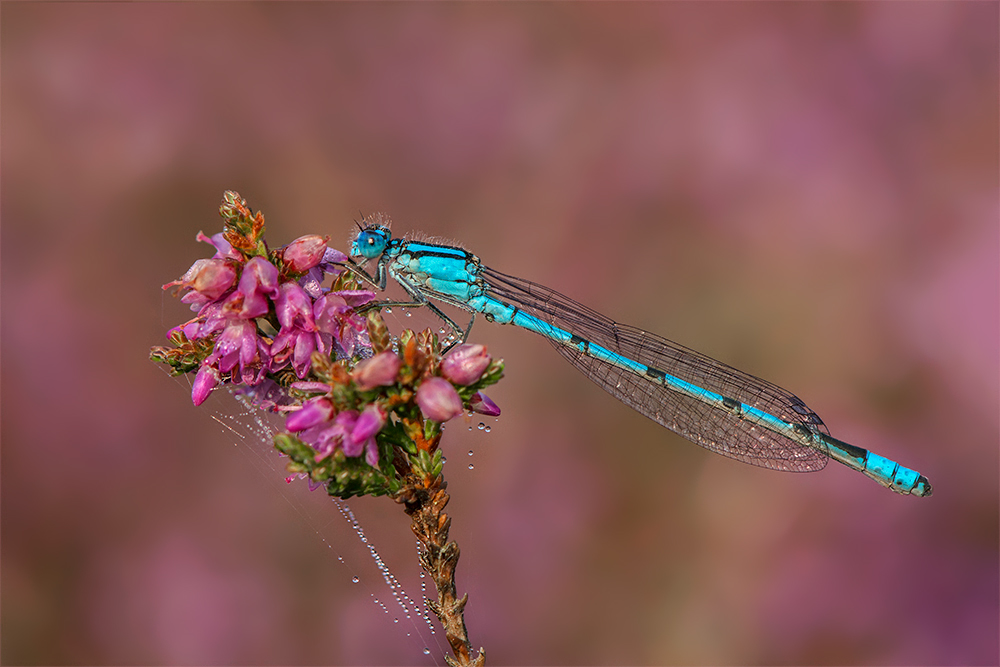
{"type": "Point", "coordinates": [424, 500]}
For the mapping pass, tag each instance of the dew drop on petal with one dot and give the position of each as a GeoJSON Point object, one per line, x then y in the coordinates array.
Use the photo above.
{"type": "Point", "coordinates": [470, 452]}
{"type": "Point", "coordinates": [481, 426]}
{"type": "Point", "coordinates": [355, 579]}
{"type": "Point", "coordinates": [471, 466]}
{"type": "Point", "coordinates": [487, 429]}
{"type": "Point", "coordinates": [427, 651]}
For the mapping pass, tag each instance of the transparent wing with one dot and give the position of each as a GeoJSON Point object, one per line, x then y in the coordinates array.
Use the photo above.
{"type": "Point", "coordinates": [713, 428]}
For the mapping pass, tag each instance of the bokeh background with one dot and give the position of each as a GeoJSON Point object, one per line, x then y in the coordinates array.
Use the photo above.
{"type": "Point", "coordinates": [808, 192]}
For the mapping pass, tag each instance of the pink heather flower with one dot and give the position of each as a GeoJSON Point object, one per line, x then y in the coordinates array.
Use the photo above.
{"type": "Point", "coordinates": [352, 432]}
{"type": "Point", "coordinates": [294, 345]}
{"type": "Point", "coordinates": [259, 281]}
{"type": "Point", "coordinates": [304, 252]}
{"type": "Point", "coordinates": [268, 395]}
{"type": "Point", "coordinates": [482, 404]}
{"type": "Point", "coordinates": [190, 329]}
{"type": "Point", "coordinates": [325, 437]}
{"type": "Point", "coordinates": [205, 381]}
{"type": "Point", "coordinates": [214, 278]}
{"type": "Point", "coordinates": [331, 258]}
{"type": "Point", "coordinates": [294, 307]}
{"type": "Point", "coordinates": [332, 262]}
{"type": "Point", "coordinates": [336, 320]}
{"type": "Point", "coordinates": [355, 297]}
{"type": "Point", "coordinates": [465, 363]}
{"type": "Point", "coordinates": [370, 422]}
{"type": "Point", "coordinates": [297, 339]}
{"type": "Point", "coordinates": [211, 318]}
{"type": "Point", "coordinates": [313, 412]}
{"type": "Point", "coordinates": [379, 371]}
{"type": "Point", "coordinates": [238, 346]}
{"type": "Point", "coordinates": [222, 248]}
{"type": "Point", "coordinates": [206, 280]}
{"type": "Point", "coordinates": [438, 400]}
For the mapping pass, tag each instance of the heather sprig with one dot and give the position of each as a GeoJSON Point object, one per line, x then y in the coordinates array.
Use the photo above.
{"type": "Point", "coordinates": [360, 403]}
{"type": "Point", "coordinates": [364, 409]}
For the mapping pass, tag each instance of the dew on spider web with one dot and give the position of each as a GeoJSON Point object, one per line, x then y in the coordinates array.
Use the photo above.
{"type": "Point", "coordinates": [252, 431]}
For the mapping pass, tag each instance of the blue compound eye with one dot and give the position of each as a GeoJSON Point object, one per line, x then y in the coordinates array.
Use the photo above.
{"type": "Point", "coordinates": [370, 243]}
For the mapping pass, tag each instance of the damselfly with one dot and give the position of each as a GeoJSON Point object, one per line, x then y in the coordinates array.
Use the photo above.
{"type": "Point", "coordinates": [714, 405]}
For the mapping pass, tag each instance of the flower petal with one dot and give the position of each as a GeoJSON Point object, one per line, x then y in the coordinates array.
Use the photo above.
{"type": "Point", "coordinates": [205, 381]}
{"type": "Point", "coordinates": [378, 371]}
{"type": "Point", "coordinates": [465, 363]}
{"type": "Point", "coordinates": [482, 404]}
{"type": "Point", "coordinates": [313, 412]}
{"type": "Point", "coordinates": [438, 400]}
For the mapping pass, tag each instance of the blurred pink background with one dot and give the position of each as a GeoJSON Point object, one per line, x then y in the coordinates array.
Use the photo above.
{"type": "Point", "coordinates": [808, 192]}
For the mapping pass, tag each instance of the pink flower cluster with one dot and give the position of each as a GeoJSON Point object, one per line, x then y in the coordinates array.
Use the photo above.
{"type": "Point", "coordinates": [230, 294]}
{"type": "Point", "coordinates": [319, 425]}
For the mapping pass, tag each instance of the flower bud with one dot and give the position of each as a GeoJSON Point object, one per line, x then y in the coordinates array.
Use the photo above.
{"type": "Point", "coordinates": [205, 381]}
{"type": "Point", "coordinates": [209, 278]}
{"type": "Point", "coordinates": [215, 277]}
{"type": "Point", "coordinates": [465, 363]}
{"type": "Point", "coordinates": [313, 412]}
{"type": "Point", "coordinates": [379, 371]}
{"type": "Point", "coordinates": [438, 400]}
{"type": "Point", "coordinates": [304, 252]}
{"type": "Point", "coordinates": [370, 422]}
{"type": "Point", "coordinates": [482, 404]}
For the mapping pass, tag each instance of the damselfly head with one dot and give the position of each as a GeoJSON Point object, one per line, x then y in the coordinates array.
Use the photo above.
{"type": "Point", "coordinates": [372, 237]}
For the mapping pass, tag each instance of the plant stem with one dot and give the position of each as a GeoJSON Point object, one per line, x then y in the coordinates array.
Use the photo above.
{"type": "Point", "coordinates": [424, 499]}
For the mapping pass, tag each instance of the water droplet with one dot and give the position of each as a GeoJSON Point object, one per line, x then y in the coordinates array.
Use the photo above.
{"type": "Point", "coordinates": [407, 313]}
{"type": "Point", "coordinates": [471, 466]}
{"type": "Point", "coordinates": [470, 452]}
{"type": "Point", "coordinates": [388, 309]}
{"type": "Point", "coordinates": [427, 651]}
{"type": "Point", "coordinates": [444, 459]}
{"type": "Point", "coordinates": [396, 620]}
{"type": "Point", "coordinates": [481, 426]}
{"type": "Point", "coordinates": [487, 429]}
{"type": "Point", "coordinates": [355, 579]}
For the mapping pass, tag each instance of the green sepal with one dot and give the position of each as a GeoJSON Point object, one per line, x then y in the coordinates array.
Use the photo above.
{"type": "Point", "coordinates": [431, 429]}
{"type": "Point", "coordinates": [427, 464]}
{"type": "Point", "coordinates": [342, 476]}
{"type": "Point", "coordinates": [186, 355]}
